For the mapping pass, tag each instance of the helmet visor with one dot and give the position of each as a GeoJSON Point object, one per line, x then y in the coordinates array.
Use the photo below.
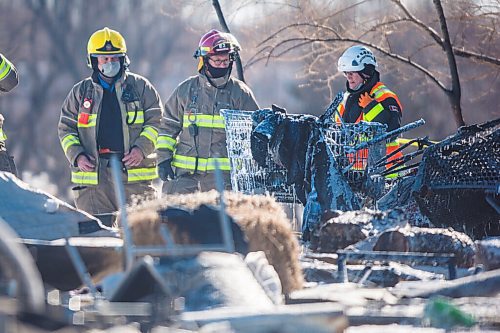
{"type": "Point", "coordinates": [109, 55]}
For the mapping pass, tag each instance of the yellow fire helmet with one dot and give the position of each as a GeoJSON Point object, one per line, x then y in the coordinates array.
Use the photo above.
{"type": "Point", "coordinates": [106, 42]}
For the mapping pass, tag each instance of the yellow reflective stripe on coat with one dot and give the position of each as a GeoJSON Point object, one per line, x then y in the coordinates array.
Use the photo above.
{"type": "Point", "coordinates": [68, 141]}
{"type": "Point", "coordinates": [4, 68]}
{"type": "Point", "coordinates": [3, 137]}
{"type": "Point", "coordinates": [138, 115]}
{"type": "Point", "coordinates": [84, 178]}
{"type": "Point", "coordinates": [141, 174]}
{"type": "Point", "coordinates": [381, 92]}
{"type": "Point", "coordinates": [166, 142]}
{"type": "Point", "coordinates": [374, 112]}
{"type": "Point", "coordinates": [92, 121]}
{"type": "Point", "coordinates": [151, 133]}
{"type": "Point", "coordinates": [204, 164]}
{"type": "Point", "coordinates": [203, 120]}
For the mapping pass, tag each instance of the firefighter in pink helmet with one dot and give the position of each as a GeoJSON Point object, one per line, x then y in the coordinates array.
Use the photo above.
{"type": "Point", "coordinates": [192, 139]}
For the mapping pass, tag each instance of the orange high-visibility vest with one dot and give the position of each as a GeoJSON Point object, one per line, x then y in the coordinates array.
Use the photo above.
{"type": "Point", "coordinates": [379, 92]}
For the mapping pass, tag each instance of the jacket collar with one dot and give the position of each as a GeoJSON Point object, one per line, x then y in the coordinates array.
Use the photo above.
{"type": "Point", "coordinates": [219, 82]}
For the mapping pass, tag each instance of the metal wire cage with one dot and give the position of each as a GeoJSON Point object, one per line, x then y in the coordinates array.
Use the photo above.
{"type": "Point", "coordinates": [250, 178]}
{"type": "Point", "coordinates": [246, 175]}
{"type": "Point", "coordinates": [355, 165]}
{"type": "Point", "coordinates": [458, 181]}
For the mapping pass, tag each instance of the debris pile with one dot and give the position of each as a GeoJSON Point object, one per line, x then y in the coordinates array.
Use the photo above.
{"type": "Point", "coordinates": [262, 220]}
{"type": "Point", "coordinates": [461, 172]}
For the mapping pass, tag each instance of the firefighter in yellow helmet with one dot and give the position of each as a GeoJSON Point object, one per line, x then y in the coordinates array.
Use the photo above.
{"type": "Point", "coordinates": [112, 112]}
{"type": "Point", "coordinates": [8, 81]}
{"type": "Point", "coordinates": [193, 139]}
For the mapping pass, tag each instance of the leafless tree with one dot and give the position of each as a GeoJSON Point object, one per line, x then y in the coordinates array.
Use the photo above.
{"type": "Point", "coordinates": [394, 29]}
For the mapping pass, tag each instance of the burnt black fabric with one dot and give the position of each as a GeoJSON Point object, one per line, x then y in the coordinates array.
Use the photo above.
{"type": "Point", "coordinates": [110, 132]}
{"type": "Point", "coordinates": [264, 124]}
{"type": "Point", "coordinates": [292, 150]}
{"type": "Point", "coordinates": [203, 226]}
{"type": "Point", "coordinates": [297, 143]}
{"type": "Point", "coordinates": [7, 162]}
{"type": "Point", "coordinates": [284, 139]}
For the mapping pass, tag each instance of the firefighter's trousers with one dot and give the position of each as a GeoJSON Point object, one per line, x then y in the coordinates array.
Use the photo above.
{"type": "Point", "coordinates": [7, 162]}
{"type": "Point", "coordinates": [190, 183]}
{"type": "Point", "coordinates": [101, 201]}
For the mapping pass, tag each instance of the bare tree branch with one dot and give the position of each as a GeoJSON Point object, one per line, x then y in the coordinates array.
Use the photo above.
{"type": "Point", "coordinates": [304, 41]}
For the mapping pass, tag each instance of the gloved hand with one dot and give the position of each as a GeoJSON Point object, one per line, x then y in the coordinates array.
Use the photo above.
{"type": "Point", "coordinates": [364, 100]}
{"type": "Point", "coordinates": [165, 170]}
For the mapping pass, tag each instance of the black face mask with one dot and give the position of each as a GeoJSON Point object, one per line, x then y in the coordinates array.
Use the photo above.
{"type": "Point", "coordinates": [217, 72]}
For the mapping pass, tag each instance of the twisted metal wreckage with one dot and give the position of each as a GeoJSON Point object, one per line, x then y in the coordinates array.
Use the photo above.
{"type": "Point", "coordinates": [320, 163]}
{"type": "Point", "coordinates": [293, 157]}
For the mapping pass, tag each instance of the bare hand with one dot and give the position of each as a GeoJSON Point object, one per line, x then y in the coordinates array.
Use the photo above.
{"type": "Point", "coordinates": [133, 158]}
{"type": "Point", "coordinates": [85, 163]}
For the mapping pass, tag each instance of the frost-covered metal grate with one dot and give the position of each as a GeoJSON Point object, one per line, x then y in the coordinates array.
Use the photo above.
{"type": "Point", "coordinates": [246, 175]}
{"type": "Point", "coordinates": [468, 159]}
{"type": "Point", "coordinates": [250, 178]}
{"type": "Point", "coordinates": [458, 176]}
{"type": "Point", "coordinates": [340, 137]}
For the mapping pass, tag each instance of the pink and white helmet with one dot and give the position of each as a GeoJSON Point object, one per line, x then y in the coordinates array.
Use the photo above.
{"type": "Point", "coordinates": [217, 42]}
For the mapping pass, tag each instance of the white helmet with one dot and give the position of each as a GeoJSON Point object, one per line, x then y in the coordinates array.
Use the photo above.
{"type": "Point", "coordinates": [355, 58]}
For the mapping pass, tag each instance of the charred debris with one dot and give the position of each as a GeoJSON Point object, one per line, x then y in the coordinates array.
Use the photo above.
{"type": "Point", "coordinates": [418, 252]}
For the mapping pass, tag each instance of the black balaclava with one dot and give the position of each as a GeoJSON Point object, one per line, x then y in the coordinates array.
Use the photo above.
{"type": "Point", "coordinates": [218, 72]}
{"type": "Point", "coordinates": [215, 78]}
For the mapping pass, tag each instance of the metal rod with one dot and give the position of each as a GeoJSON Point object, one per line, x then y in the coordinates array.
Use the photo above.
{"type": "Point", "coordinates": [116, 170]}
{"type": "Point", "coordinates": [384, 159]}
{"type": "Point", "coordinates": [342, 268]}
{"type": "Point", "coordinates": [167, 237]}
{"type": "Point", "coordinates": [80, 267]}
{"type": "Point", "coordinates": [180, 250]}
{"type": "Point", "coordinates": [326, 118]}
{"type": "Point", "coordinates": [398, 168]}
{"type": "Point", "coordinates": [366, 273]}
{"type": "Point", "coordinates": [227, 235]}
{"type": "Point", "coordinates": [387, 135]}
{"type": "Point", "coordinates": [405, 257]}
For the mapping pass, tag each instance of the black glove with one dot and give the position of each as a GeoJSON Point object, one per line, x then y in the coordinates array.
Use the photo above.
{"type": "Point", "coordinates": [165, 170]}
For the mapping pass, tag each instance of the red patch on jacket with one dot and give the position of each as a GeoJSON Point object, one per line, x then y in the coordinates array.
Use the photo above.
{"type": "Point", "coordinates": [83, 118]}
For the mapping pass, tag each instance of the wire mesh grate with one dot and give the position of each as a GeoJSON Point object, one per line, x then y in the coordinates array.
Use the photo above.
{"type": "Point", "coordinates": [459, 176]}
{"type": "Point", "coordinates": [250, 178]}
{"type": "Point", "coordinates": [340, 137]}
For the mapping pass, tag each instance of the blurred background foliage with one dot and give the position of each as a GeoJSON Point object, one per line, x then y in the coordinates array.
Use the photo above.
{"type": "Point", "coordinates": [47, 39]}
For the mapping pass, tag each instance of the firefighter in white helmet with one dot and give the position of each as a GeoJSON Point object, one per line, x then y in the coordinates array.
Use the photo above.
{"type": "Point", "coordinates": [193, 139]}
{"type": "Point", "coordinates": [8, 81]}
{"type": "Point", "coordinates": [113, 112]}
{"type": "Point", "coordinates": [366, 97]}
